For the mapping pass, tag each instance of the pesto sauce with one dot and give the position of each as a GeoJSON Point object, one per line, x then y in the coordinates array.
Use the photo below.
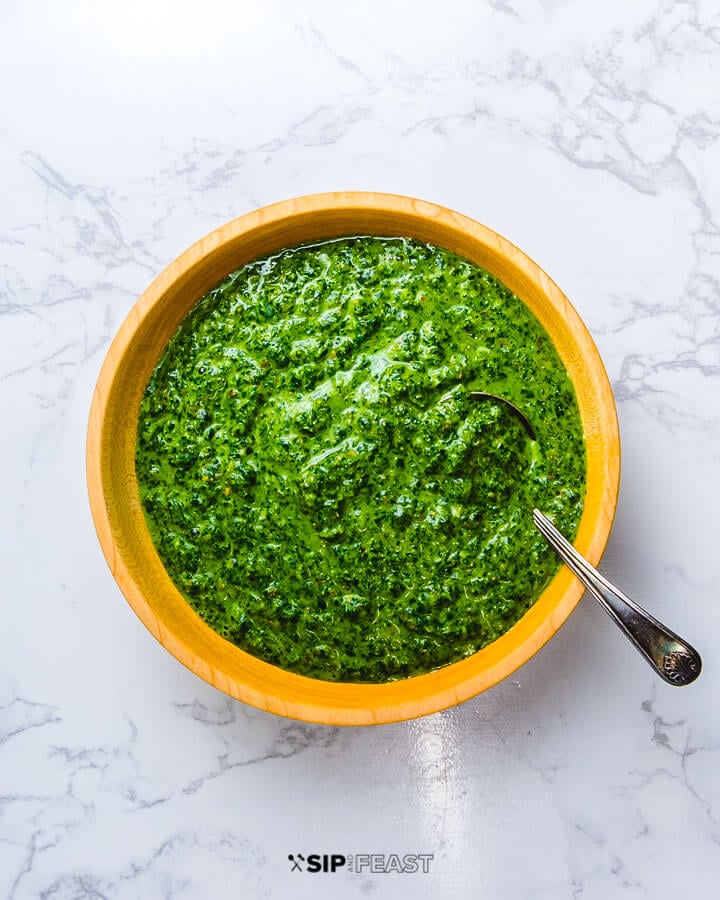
{"type": "Point", "coordinates": [316, 479]}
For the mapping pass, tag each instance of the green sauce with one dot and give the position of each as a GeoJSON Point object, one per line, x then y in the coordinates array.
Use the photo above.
{"type": "Point", "coordinates": [316, 479]}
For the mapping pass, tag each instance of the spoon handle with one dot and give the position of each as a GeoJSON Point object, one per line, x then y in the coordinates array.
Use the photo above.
{"type": "Point", "coordinates": [671, 657]}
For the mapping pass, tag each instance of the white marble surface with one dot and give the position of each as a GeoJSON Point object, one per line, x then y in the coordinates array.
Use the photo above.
{"type": "Point", "coordinates": [588, 133]}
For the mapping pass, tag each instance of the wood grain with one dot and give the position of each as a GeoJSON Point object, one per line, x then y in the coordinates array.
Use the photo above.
{"type": "Point", "coordinates": [113, 490]}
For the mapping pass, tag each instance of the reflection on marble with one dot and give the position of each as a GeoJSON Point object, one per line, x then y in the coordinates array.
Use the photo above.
{"type": "Point", "coordinates": [586, 133]}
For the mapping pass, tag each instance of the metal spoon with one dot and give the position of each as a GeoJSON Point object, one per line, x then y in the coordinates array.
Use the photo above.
{"type": "Point", "coordinates": [672, 658]}
{"type": "Point", "coordinates": [482, 395]}
{"type": "Point", "coordinates": [676, 661]}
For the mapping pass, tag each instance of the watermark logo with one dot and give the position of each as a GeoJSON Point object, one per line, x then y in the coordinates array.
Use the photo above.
{"type": "Point", "coordinates": [362, 863]}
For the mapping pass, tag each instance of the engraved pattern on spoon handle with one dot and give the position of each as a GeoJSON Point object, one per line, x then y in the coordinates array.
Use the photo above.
{"type": "Point", "coordinates": [676, 661]}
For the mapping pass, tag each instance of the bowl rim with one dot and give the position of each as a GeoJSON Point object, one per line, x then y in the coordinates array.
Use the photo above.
{"type": "Point", "coordinates": [114, 498]}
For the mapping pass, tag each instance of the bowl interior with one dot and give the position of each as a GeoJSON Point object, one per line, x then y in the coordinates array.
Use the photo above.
{"type": "Point", "coordinates": [115, 500]}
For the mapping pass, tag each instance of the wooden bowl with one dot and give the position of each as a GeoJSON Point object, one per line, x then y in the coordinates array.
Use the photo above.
{"type": "Point", "coordinates": [115, 500]}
